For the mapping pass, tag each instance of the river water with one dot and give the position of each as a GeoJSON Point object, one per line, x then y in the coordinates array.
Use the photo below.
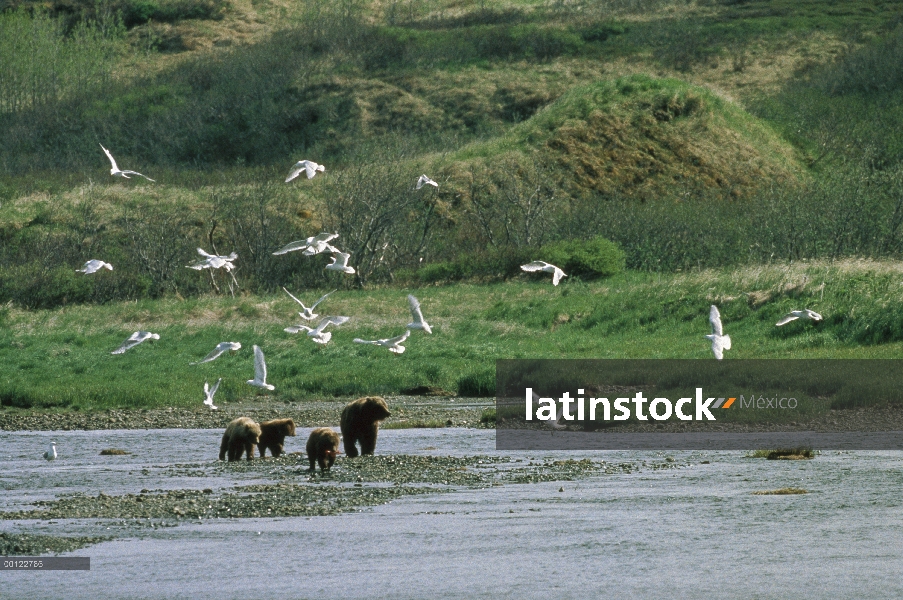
{"type": "Point", "coordinates": [693, 532]}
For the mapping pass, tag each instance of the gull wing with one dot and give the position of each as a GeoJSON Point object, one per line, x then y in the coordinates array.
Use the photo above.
{"type": "Point", "coordinates": [397, 340]}
{"type": "Point", "coordinates": [291, 247]}
{"type": "Point", "coordinates": [323, 297]}
{"type": "Point", "coordinates": [417, 315]}
{"type": "Point", "coordinates": [137, 173]}
{"type": "Point", "coordinates": [326, 321]}
{"type": "Point", "coordinates": [212, 356]}
{"type": "Point", "coordinates": [717, 348]}
{"type": "Point", "coordinates": [220, 348]}
{"type": "Point", "coordinates": [296, 170]}
{"type": "Point", "coordinates": [557, 276]}
{"type": "Point", "coordinates": [298, 329]}
{"type": "Point", "coordinates": [813, 315]}
{"type": "Point", "coordinates": [299, 302]}
{"type": "Point", "coordinates": [260, 366]}
{"type": "Point", "coordinates": [110, 156]}
{"type": "Point", "coordinates": [536, 265]}
{"type": "Point", "coordinates": [424, 180]}
{"type": "Point", "coordinates": [323, 237]}
{"type": "Point", "coordinates": [132, 341]}
{"type": "Point", "coordinates": [360, 341]}
{"type": "Point", "coordinates": [715, 320]}
{"type": "Point", "coordinates": [786, 319]}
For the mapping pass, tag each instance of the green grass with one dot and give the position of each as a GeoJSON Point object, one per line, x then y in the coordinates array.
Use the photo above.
{"type": "Point", "coordinates": [61, 357]}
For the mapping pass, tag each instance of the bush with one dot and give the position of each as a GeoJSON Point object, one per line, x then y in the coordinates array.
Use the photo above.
{"type": "Point", "coordinates": [477, 385]}
{"type": "Point", "coordinates": [597, 257]}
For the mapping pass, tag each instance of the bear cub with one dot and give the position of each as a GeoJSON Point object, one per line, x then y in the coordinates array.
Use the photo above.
{"type": "Point", "coordinates": [272, 436]}
{"type": "Point", "coordinates": [322, 446]}
{"type": "Point", "coordinates": [241, 435]}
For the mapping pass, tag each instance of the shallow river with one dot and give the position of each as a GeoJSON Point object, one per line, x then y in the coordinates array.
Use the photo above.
{"type": "Point", "coordinates": [691, 532]}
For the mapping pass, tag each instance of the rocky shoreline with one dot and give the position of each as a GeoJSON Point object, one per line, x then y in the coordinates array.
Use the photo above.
{"type": "Point", "coordinates": [407, 411]}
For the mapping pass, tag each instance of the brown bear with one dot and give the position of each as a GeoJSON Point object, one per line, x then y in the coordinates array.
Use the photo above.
{"type": "Point", "coordinates": [272, 435]}
{"type": "Point", "coordinates": [322, 446]}
{"type": "Point", "coordinates": [360, 423]}
{"type": "Point", "coordinates": [241, 435]}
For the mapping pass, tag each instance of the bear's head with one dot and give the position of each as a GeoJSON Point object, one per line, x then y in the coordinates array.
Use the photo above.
{"type": "Point", "coordinates": [375, 408]}
{"type": "Point", "coordinates": [288, 428]}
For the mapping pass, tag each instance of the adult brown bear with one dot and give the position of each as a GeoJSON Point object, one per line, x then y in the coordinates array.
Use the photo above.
{"type": "Point", "coordinates": [272, 435]}
{"type": "Point", "coordinates": [322, 446]}
{"type": "Point", "coordinates": [360, 423]}
{"type": "Point", "coordinates": [241, 435]}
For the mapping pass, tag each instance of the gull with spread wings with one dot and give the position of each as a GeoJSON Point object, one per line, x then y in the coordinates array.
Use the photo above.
{"type": "Point", "coordinates": [307, 166]}
{"type": "Point", "coordinates": [538, 265]}
{"type": "Point", "coordinates": [260, 371]}
{"type": "Point", "coordinates": [93, 266]}
{"type": "Point", "coordinates": [116, 172]}
{"type": "Point", "coordinates": [393, 344]}
{"type": "Point", "coordinates": [312, 245]}
{"type": "Point", "coordinates": [720, 342]}
{"type": "Point", "coordinates": [220, 348]}
{"type": "Point", "coordinates": [135, 339]}
{"type": "Point", "coordinates": [209, 392]}
{"type": "Point", "coordinates": [318, 334]}
{"type": "Point", "coordinates": [308, 313]}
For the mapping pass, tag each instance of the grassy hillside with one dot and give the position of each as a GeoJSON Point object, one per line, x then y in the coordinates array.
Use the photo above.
{"type": "Point", "coordinates": [713, 141]}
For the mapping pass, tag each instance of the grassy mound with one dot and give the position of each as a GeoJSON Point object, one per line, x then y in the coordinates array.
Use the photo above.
{"type": "Point", "coordinates": [642, 137]}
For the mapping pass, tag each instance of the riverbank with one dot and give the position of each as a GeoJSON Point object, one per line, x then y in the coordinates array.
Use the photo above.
{"type": "Point", "coordinates": [407, 411]}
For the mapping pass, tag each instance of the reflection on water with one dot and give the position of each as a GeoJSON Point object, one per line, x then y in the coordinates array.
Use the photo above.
{"type": "Point", "coordinates": [696, 532]}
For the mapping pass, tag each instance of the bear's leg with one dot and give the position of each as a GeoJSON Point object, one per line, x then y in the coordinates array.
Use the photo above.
{"type": "Point", "coordinates": [224, 445]}
{"type": "Point", "coordinates": [350, 448]}
{"type": "Point", "coordinates": [249, 448]}
{"type": "Point", "coordinates": [276, 449]}
{"type": "Point", "coordinates": [313, 460]}
{"type": "Point", "coordinates": [368, 440]}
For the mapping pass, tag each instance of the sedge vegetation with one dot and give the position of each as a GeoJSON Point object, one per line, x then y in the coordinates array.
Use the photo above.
{"type": "Point", "coordinates": [672, 153]}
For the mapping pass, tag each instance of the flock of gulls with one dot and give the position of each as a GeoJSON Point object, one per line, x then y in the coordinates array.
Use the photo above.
{"type": "Point", "coordinates": [319, 244]}
{"type": "Point", "coordinates": [310, 246]}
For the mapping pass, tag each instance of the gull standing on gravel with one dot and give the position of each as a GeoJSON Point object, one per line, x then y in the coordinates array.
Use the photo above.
{"type": "Point", "coordinates": [115, 172]}
{"type": "Point", "coordinates": [340, 263]}
{"type": "Point", "coordinates": [319, 335]}
{"type": "Point", "coordinates": [308, 166]}
{"type": "Point", "coordinates": [260, 371]}
{"type": "Point", "coordinates": [135, 339]}
{"type": "Point", "coordinates": [424, 180]}
{"type": "Point", "coordinates": [50, 454]}
{"type": "Point", "coordinates": [93, 266]}
{"type": "Point", "coordinates": [720, 342]}
{"type": "Point", "coordinates": [220, 348]}
{"type": "Point", "coordinates": [419, 321]}
{"type": "Point", "coordinates": [793, 315]}
{"type": "Point", "coordinates": [308, 313]}
{"type": "Point", "coordinates": [393, 344]}
{"type": "Point", "coordinates": [208, 393]}
{"type": "Point", "coordinates": [538, 265]}
{"type": "Point", "coordinates": [312, 245]}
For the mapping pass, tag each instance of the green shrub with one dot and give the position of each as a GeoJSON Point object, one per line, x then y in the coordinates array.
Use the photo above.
{"type": "Point", "coordinates": [597, 257]}
{"type": "Point", "coordinates": [477, 385]}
